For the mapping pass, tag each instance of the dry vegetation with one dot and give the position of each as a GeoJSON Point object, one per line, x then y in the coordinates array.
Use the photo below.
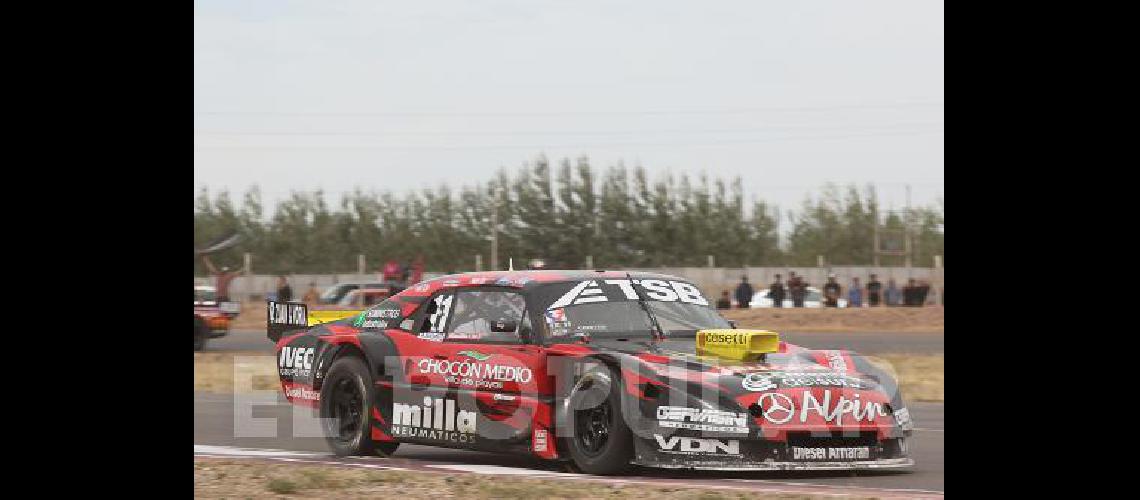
{"type": "Point", "coordinates": [222, 478]}
{"type": "Point", "coordinates": [877, 319]}
{"type": "Point", "coordinates": [215, 372]}
{"type": "Point", "coordinates": [921, 376]}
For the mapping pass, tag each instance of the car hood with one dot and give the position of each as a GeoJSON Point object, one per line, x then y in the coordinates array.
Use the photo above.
{"type": "Point", "coordinates": [795, 390]}
{"type": "Point", "coordinates": [675, 360]}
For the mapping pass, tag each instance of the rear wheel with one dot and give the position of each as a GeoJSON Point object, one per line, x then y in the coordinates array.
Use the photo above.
{"type": "Point", "coordinates": [346, 401]}
{"type": "Point", "coordinates": [602, 442]}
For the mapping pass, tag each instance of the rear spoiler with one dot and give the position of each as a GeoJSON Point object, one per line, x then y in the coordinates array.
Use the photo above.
{"type": "Point", "coordinates": [285, 317]}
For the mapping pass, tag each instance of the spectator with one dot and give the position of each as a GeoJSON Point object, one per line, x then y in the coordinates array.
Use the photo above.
{"type": "Point", "coordinates": [222, 279]}
{"type": "Point", "coordinates": [910, 293]}
{"type": "Point", "coordinates": [417, 274]}
{"type": "Point", "coordinates": [855, 294]}
{"type": "Point", "coordinates": [893, 296]}
{"type": "Point", "coordinates": [874, 291]}
{"type": "Point", "coordinates": [831, 292]}
{"type": "Point", "coordinates": [921, 292]}
{"type": "Point", "coordinates": [724, 302]}
{"type": "Point", "coordinates": [284, 291]}
{"type": "Point", "coordinates": [392, 271]}
{"type": "Point", "coordinates": [797, 289]}
{"type": "Point", "coordinates": [743, 293]}
{"type": "Point", "coordinates": [312, 296]}
{"type": "Point", "coordinates": [776, 292]}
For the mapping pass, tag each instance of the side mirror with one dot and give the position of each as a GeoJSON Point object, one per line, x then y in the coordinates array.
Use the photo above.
{"type": "Point", "coordinates": [504, 326]}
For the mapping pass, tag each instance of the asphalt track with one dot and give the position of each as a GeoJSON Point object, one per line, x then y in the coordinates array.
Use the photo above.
{"type": "Point", "coordinates": [865, 342]}
{"type": "Point", "coordinates": [268, 428]}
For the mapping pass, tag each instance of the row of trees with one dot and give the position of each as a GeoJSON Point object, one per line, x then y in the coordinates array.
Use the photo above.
{"type": "Point", "coordinates": [562, 214]}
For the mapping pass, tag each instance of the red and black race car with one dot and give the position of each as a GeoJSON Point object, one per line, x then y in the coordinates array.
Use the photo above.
{"type": "Point", "coordinates": [598, 369]}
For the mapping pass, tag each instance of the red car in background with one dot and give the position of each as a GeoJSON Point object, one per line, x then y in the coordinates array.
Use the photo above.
{"type": "Point", "coordinates": [211, 318]}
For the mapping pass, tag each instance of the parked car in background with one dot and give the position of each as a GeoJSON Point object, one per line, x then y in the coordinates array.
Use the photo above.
{"type": "Point", "coordinates": [211, 318]}
{"type": "Point", "coordinates": [813, 299]}
{"type": "Point", "coordinates": [352, 303]}
{"type": "Point", "coordinates": [366, 297]}
{"type": "Point", "coordinates": [333, 294]}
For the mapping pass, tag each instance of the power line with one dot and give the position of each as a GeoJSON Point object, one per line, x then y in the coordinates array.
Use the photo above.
{"type": "Point", "coordinates": [570, 146]}
{"type": "Point", "coordinates": [580, 112]}
{"type": "Point", "coordinates": [532, 132]}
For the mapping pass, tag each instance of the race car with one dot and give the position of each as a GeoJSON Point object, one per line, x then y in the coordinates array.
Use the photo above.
{"type": "Point", "coordinates": [211, 317]}
{"type": "Point", "coordinates": [599, 370]}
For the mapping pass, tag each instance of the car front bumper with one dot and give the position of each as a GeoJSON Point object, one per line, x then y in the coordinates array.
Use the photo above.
{"type": "Point", "coordinates": [885, 463]}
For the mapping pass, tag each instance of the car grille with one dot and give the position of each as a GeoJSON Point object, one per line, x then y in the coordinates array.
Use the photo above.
{"type": "Point", "coordinates": [833, 439]}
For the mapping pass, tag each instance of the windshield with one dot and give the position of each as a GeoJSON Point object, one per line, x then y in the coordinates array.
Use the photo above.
{"type": "Point", "coordinates": [604, 309]}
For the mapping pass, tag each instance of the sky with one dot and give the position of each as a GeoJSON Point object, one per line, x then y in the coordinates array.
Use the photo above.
{"type": "Point", "coordinates": [402, 96]}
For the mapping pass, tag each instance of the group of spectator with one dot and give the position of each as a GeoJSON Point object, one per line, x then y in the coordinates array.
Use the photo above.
{"type": "Point", "coordinates": [285, 292]}
{"type": "Point", "coordinates": [874, 294]}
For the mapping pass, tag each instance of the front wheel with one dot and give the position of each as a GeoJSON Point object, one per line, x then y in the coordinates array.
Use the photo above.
{"type": "Point", "coordinates": [602, 442]}
{"type": "Point", "coordinates": [346, 401]}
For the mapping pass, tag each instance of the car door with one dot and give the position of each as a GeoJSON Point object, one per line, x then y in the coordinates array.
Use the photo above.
{"type": "Point", "coordinates": [491, 361]}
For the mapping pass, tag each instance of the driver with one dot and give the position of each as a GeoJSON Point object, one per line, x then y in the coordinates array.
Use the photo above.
{"type": "Point", "coordinates": [483, 305]}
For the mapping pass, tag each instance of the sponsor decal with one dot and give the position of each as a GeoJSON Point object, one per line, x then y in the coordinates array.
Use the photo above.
{"type": "Point", "coordinates": [725, 338]}
{"type": "Point", "coordinates": [475, 374]}
{"type": "Point", "coordinates": [432, 336]}
{"type": "Point", "coordinates": [556, 319]}
{"type": "Point", "coordinates": [590, 291]}
{"type": "Point", "coordinates": [298, 392]}
{"type": "Point", "coordinates": [540, 440]}
{"type": "Point", "coordinates": [779, 409]}
{"type": "Point", "coordinates": [376, 318]}
{"type": "Point", "coordinates": [555, 315]}
{"type": "Point", "coordinates": [697, 446]}
{"type": "Point", "coordinates": [295, 361]}
{"type": "Point", "coordinates": [902, 417]}
{"type": "Point", "coordinates": [476, 355]}
{"type": "Point", "coordinates": [828, 453]}
{"type": "Point", "coordinates": [437, 419]}
{"type": "Point", "coordinates": [756, 382]}
{"type": "Point", "coordinates": [679, 417]}
{"type": "Point", "coordinates": [836, 362]}
{"type": "Point", "coordinates": [287, 314]}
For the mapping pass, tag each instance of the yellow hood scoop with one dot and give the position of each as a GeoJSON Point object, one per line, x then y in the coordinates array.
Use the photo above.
{"type": "Point", "coordinates": [737, 344]}
{"type": "Point", "coordinates": [319, 316]}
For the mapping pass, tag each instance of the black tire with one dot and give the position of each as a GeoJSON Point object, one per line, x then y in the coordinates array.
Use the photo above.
{"type": "Point", "coordinates": [346, 418]}
{"type": "Point", "coordinates": [601, 442]}
{"type": "Point", "coordinates": [201, 334]}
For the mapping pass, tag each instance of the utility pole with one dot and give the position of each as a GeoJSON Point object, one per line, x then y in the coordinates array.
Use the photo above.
{"type": "Point", "coordinates": [495, 232]}
{"type": "Point", "coordinates": [906, 231]}
{"type": "Point", "coordinates": [875, 234]}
